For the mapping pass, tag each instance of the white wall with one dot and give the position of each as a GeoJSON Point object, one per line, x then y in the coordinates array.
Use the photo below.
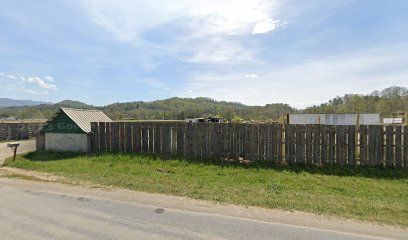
{"type": "Point", "coordinates": [66, 142]}
{"type": "Point", "coordinates": [334, 119]}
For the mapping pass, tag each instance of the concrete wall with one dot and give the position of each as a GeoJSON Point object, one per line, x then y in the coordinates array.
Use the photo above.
{"type": "Point", "coordinates": [67, 142]}
{"type": "Point", "coordinates": [334, 119]}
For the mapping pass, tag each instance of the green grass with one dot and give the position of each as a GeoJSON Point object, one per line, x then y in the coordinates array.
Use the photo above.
{"type": "Point", "coordinates": [373, 194]}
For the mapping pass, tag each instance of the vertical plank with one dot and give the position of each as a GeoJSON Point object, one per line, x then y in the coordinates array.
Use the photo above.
{"type": "Point", "coordinates": [150, 138]}
{"type": "Point", "coordinates": [332, 144]}
{"type": "Point", "coordinates": [180, 139]}
{"type": "Point", "coordinates": [340, 145]}
{"type": "Point", "coordinates": [108, 127]}
{"type": "Point", "coordinates": [102, 136]}
{"type": "Point", "coordinates": [405, 152]}
{"type": "Point", "coordinates": [121, 136]}
{"type": "Point", "coordinates": [262, 142]}
{"type": "Point", "coordinates": [245, 141]}
{"type": "Point", "coordinates": [188, 144]}
{"type": "Point", "coordinates": [324, 144]}
{"type": "Point", "coordinates": [302, 143]}
{"type": "Point", "coordinates": [115, 137]}
{"type": "Point", "coordinates": [268, 143]}
{"type": "Point", "coordinates": [363, 145]}
{"type": "Point", "coordinates": [128, 137]}
{"type": "Point", "coordinates": [379, 139]}
{"type": "Point", "coordinates": [371, 145]}
{"type": "Point", "coordinates": [205, 141]}
{"type": "Point", "coordinates": [274, 142]}
{"type": "Point", "coordinates": [136, 136]}
{"type": "Point", "coordinates": [351, 145]}
{"type": "Point", "coordinates": [316, 144]}
{"type": "Point", "coordinates": [289, 144]}
{"type": "Point", "coordinates": [309, 144]}
{"type": "Point", "coordinates": [278, 158]}
{"type": "Point", "coordinates": [165, 139]}
{"type": "Point", "coordinates": [95, 137]}
{"type": "Point", "coordinates": [145, 141]}
{"type": "Point", "coordinates": [398, 146]}
{"type": "Point", "coordinates": [389, 150]}
{"type": "Point", "coordinates": [218, 141]}
{"type": "Point", "coordinates": [157, 138]}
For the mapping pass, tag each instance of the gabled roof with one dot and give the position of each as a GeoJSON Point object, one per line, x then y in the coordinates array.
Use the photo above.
{"type": "Point", "coordinates": [84, 117]}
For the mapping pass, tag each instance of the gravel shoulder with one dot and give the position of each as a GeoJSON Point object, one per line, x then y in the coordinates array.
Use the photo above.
{"type": "Point", "coordinates": [25, 147]}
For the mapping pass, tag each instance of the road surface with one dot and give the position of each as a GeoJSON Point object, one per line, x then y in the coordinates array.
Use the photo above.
{"type": "Point", "coordinates": [35, 210]}
{"type": "Point", "coordinates": [25, 146]}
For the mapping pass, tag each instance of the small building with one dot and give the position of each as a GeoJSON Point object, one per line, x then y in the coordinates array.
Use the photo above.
{"type": "Point", "coordinates": [70, 130]}
{"type": "Point", "coordinates": [335, 119]}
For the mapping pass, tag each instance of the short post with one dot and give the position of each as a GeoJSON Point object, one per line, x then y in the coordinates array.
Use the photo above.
{"type": "Point", "coordinates": [15, 146]}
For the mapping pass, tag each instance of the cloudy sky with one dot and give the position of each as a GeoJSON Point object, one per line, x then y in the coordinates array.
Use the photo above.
{"type": "Point", "coordinates": [251, 51]}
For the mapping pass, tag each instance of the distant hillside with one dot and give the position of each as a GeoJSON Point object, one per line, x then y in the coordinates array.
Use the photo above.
{"type": "Point", "coordinates": [390, 100]}
{"type": "Point", "coordinates": [73, 104]}
{"type": "Point", "coordinates": [173, 108]}
{"type": "Point", "coordinates": [8, 102]}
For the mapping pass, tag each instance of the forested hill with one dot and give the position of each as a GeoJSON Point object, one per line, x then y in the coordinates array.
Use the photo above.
{"type": "Point", "coordinates": [390, 100]}
{"type": "Point", "coordinates": [387, 101]}
{"type": "Point", "coordinates": [173, 108]}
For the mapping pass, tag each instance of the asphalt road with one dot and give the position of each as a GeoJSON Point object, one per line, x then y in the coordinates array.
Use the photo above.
{"type": "Point", "coordinates": [33, 214]}
{"type": "Point", "coordinates": [25, 146]}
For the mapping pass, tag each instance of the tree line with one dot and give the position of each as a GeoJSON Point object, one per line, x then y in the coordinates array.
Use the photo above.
{"type": "Point", "coordinates": [388, 101]}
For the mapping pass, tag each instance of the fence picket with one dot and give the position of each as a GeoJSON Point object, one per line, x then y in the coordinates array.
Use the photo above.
{"type": "Point", "coordinates": [307, 144]}
{"type": "Point", "coordinates": [389, 151]}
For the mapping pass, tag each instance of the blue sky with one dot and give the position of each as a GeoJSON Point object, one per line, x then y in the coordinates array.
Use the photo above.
{"type": "Point", "coordinates": [250, 51]}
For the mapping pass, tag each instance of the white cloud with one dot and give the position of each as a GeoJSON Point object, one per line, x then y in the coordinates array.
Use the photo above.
{"type": "Point", "coordinates": [30, 91]}
{"type": "Point", "coordinates": [205, 31]}
{"type": "Point", "coordinates": [251, 76]}
{"type": "Point", "coordinates": [49, 78]}
{"type": "Point", "coordinates": [39, 82]}
{"type": "Point", "coordinates": [11, 76]}
{"type": "Point", "coordinates": [266, 25]}
{"type": "Point", "coordinates": [127, 19]}
{"type": "Point", "coordinates": [312, 82]}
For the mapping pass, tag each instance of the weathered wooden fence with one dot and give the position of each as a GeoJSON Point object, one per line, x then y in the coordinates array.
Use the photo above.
{"type": "Point", "coordinates": [16, 131]}
{"type": "Point", "coordinates": [276, 143]}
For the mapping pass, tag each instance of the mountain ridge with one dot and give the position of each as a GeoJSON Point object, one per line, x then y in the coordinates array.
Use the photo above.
{"type": "Point", "coordinates": [390, 100]}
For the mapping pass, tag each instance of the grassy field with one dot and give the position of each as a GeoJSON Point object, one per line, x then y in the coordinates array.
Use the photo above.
{"type": "Point", "coordinates": [372, 194]}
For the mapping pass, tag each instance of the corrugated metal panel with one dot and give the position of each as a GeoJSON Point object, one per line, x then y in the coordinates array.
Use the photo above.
{"type": "Point", "coordinates": [83, 118]}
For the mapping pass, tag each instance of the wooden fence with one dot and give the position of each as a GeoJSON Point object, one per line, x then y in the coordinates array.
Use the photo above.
{"type": "Point", "coordinates": [276, 143]}
{"type": "Point", "coordinates": [16, 131]}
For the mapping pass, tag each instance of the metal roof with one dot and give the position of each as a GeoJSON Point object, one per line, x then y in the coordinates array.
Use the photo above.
{"type": "Point", "coordinates": [84, 117]}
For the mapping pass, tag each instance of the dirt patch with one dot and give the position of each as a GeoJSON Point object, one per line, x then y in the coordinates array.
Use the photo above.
{"type": "Point", "coordinates": [7, 171]}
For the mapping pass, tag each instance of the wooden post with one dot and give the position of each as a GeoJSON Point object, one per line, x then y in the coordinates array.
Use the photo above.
{"type": "Point", "coordinates": [398, 146]}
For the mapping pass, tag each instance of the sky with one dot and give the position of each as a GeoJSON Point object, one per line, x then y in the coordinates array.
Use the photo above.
{"type": "Point", "coordinates": [250, 51]}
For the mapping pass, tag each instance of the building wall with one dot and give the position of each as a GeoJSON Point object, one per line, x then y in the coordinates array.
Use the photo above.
{"type": "Point", "coordinates": [62, 124]}
{"type": "Point", "coordinates": [335, 119]}
{"type": "Point", "coordinates": [67, 142]}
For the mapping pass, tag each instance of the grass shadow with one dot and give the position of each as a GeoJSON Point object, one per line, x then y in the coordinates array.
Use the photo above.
{"type": "Point", "coordinates": [376, 172]}
{"type": "Point", "coordinates": [46, 156]}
